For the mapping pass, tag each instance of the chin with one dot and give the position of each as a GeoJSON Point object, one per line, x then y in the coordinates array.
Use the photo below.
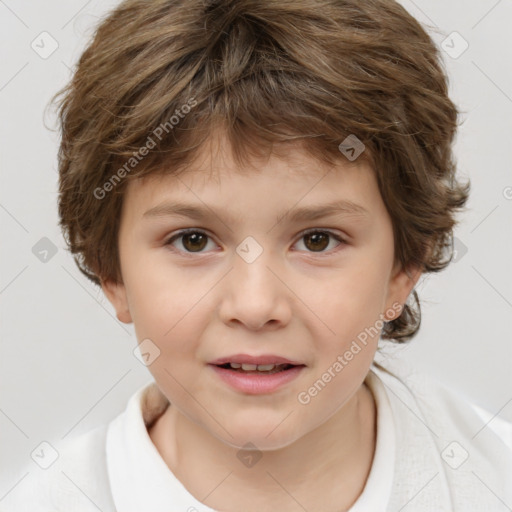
{"type": "Point", "coordinates": [257, 438]}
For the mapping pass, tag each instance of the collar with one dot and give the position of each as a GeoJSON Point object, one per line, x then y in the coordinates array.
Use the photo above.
{"type": "Point", "coordinates": [139, 477]}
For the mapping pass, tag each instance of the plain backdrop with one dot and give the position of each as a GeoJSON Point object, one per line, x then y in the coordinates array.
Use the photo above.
{"type": "Point", "coordinates": [67, 364]}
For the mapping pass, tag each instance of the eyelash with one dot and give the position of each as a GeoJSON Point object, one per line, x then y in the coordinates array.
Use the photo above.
{"type": "Point", "coordinates": [302, 235]}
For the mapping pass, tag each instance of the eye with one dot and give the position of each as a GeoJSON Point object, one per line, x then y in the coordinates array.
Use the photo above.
{"type": "Point", "coordinates": [317, 240]}
{"type": "Point", "coordinates": [193, 240]}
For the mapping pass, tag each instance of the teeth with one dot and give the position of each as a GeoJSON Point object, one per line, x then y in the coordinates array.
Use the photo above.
{"type": "Point", "coordinates": [252, 367]}
{"type": "Point", "coordinates": [266, 367]}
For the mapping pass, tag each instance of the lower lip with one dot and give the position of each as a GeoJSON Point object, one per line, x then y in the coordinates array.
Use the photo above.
{"type": "Point", "coordinates": [257, 384]}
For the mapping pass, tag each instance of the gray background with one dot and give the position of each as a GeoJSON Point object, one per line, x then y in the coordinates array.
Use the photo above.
{"type": "Point", "coordinates": [67, 364]}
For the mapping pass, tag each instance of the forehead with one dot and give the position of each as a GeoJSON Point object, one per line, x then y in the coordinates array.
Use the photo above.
{"type": "Point", "coordinates": [288, 177]}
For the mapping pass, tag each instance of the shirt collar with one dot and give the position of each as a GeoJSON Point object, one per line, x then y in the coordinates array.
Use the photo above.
{"type": "Point", "coordinates": [139, 477]}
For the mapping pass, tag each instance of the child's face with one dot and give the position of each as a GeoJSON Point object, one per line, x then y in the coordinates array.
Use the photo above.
{"type": "Point", "coordinates": [303, 298]}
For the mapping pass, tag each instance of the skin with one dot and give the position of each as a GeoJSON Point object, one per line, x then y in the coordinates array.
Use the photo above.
{"type": "Point", "coordinates": [299, 300]}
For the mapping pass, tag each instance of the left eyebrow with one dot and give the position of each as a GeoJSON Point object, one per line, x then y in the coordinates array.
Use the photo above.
{"type": "Point", "coordinates": [342, 207]}
{"type": "Point", "coordinates": [305, 213]}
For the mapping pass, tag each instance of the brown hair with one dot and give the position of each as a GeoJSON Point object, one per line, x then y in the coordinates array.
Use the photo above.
{"type": "Point", "coordinates": [159, 77]}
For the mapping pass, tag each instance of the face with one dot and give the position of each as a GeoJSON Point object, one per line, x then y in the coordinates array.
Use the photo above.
{"type": "Point", "coordinates": [259, 273]}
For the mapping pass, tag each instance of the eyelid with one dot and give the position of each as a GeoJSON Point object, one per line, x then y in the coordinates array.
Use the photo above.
{"type": "Point", "coordinates": [329, 231]}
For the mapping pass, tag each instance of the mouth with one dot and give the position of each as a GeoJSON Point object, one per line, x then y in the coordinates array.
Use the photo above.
{"type": "Point", "coordinates": [256, 379]}
{"type": "Point", "coordinates": [260, 369]}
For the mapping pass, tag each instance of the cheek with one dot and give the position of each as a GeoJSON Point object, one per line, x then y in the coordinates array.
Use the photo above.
{"type": "Point", "coordinates": [350, 300]}
{"type": "Point", "coordinates": [164, 306]}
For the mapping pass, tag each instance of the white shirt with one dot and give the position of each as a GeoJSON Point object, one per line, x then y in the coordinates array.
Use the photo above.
{"type": "Point", "coordinates": [427, 458]}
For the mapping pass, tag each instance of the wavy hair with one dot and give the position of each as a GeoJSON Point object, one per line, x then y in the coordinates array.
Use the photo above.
{"type": "Point", "coordinates": [267, 72]}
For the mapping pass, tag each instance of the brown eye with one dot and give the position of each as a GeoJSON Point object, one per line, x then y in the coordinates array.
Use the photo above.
{"type": "Point", "coordinates": [317, 241]}
{"type": "Point", "coordinates": [192, 241]}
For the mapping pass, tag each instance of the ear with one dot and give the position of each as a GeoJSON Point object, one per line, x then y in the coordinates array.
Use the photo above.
{"type": "Point", "coordinates": [116, 294]}
{"type": "Point", "coordinates": [401, 283]}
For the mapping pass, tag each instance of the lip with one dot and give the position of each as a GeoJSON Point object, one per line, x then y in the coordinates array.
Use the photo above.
{"type": "Point", "coordinates": [254, 383]}
{"type": "Point", "coordinates": [261, 359]}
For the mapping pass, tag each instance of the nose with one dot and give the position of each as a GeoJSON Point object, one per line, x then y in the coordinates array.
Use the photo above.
{"type": "Point", "coordinates": [255, 295]}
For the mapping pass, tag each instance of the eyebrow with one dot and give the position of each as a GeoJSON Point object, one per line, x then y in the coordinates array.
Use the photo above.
{"type": "Point", "coordinates": [304, 213]}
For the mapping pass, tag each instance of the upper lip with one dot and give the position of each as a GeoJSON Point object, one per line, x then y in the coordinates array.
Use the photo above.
{"type": "Point", "coordinates": [263, 359]}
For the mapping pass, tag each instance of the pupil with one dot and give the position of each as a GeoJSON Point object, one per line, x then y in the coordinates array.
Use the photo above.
{"type": "Point", "coordinates": [196, 241]}
{"type": "Point", "coordinates": [315, 237]}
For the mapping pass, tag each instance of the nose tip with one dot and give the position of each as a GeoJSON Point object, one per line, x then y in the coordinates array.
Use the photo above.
{"type": "Point", "coordinates": [253, 324]}
{"type": "Point", "coordinates": [254, 297]}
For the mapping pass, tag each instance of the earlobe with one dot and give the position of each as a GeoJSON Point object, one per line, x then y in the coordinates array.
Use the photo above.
{"type": "Point", "coordinates": [116, 294]}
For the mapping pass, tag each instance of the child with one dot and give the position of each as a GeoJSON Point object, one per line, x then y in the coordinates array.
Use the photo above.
{"type": "Point", "coordinates": [255, 130]}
